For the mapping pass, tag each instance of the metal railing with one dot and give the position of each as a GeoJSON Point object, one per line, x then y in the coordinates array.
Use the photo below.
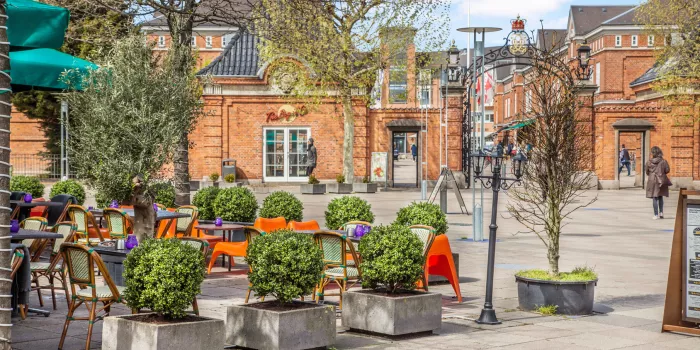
{"type": "Point", "coordinates": [45, 166]}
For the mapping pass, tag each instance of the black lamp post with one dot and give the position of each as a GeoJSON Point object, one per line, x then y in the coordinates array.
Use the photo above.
{"type": "Point", "coordinates": [584, 56]}
{"type": "Point", "coordinates": [495, 182]}
{"type": "Point", "coordinates": [453, 71]}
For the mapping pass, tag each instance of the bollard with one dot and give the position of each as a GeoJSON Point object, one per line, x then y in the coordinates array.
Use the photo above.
{"type": "Point", "coordinates": [424, 189]}
{"type": "Point", "coordinates": [478, 224]}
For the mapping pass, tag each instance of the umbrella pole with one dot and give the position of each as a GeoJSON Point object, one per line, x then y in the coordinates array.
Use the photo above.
{"type": "Point", "coordinates": [5, 251]}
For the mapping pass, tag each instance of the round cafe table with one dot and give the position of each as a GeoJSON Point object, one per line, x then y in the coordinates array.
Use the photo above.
{"type": "Point", "coordinates": [227, 232]}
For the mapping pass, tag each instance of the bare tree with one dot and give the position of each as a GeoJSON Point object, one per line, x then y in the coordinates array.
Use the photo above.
{"type": "Point", "coordinates": [557, 171]}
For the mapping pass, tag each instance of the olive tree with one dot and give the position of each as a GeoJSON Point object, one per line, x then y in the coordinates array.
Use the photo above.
{"type": "Point", "coordinates": [557, 171]}
{"type": "Point", "coordinates": [129, 120]}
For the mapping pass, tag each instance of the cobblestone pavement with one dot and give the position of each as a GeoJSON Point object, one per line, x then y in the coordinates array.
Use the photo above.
{"type": "Point", "coordinates": [615, 235]}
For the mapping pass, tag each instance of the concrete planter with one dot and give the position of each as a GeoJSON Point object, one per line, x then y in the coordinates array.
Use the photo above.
{"type": "Point", "coordinates": [339, 188]}
{"type": "Point", "coordinates": [313, 188]}
{"type": "Point", "coordinates": [122, 333]}
{"type": "Point", "coordinates": [377, 313]}
{"type": "Point", "coordinates": [254, 328]}
{"type": "Point", "coordinates": [364, 187]}
{"type": "Point", "coordinates": [229, 184]}
{"type": "Point", "coordinates": [571, 298]}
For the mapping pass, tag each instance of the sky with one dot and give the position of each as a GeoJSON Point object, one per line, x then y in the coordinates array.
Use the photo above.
{"type": "Point", "coordinates": [498, 13]}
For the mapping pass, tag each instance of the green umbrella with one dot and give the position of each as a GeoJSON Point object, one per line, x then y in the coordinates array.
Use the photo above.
{"type": "Point", "coordinates": [31, 24]}
{"type": "Point", "coordinates": [42, 68]}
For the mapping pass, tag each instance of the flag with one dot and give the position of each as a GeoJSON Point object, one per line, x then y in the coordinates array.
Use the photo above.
{"type": "Point", "coordinates": [488, 89]}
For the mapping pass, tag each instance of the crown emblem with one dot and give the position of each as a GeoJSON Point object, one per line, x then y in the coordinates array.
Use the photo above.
{"type": "Point", "coordinates": [518, 24]}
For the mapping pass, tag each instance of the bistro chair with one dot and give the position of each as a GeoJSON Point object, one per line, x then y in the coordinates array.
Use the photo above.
{"type": "Point", "coordinates": [15, 264]}
{"type": "Point", "coordinates": [118, 223]}
{"type": "Point", "coordinates": [36, 246]}
{"type": "Point", "coordinates": [81, 263]}
{"type": "Point", "coordinates": [38, 210]}
{"type": "Point", "coordinates": [426, 234]}
{"type": "Point", "coordinates": [335, 248]}
{"type": "Point", "coordinates": [352, 225]}
{"type": "Point", "coordinates": [16, 196]}
{"type": "Point", "coordinates": [53, 269]}
{"type": "Point", "coordinates": [270, 225]}
{"type": "Point", "coordinates": [311, 225]}
{"type": "Point", "coordinates": [87, 231]}
{"type": "Point", "coordinates": [232, 249]}
{"type": "Point", "coordinates": [184, 226]}
{"type": "Point", "coordinates": [57, 214]}
{"type": "Point", "coordinates": [251, 233]}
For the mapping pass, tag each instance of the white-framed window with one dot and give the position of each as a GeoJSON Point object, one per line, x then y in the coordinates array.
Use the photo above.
{"type": "Point", "coordinates": [284, 153]}
{"type": "Point", "coordinates": [528, 101]}
{"type": "Point", "coordinates": [424, 91]}
{"type": "Point", "coordinates": [516, 101]}
{"type": "Point", "coordinates": [194, 41]}
{"type": "Point", "coordinates": [507, 108]}
{"type": "Point", "coordinates": [161, 41]}
{"type": "Point", "coordinates": [618, 40]}
{"type": "Point", "coordinates": [223, 41]}
{"type": "Point", "coordinates": [634, 40]}
{"type": "Point", "coordinates": [650, 40]}
{"type": "Point", "coordinates": [488, 117]}
{"type": "Point", "coordinates": [208, 42]}
{"type": "Point", "coordinates": [597, 75]}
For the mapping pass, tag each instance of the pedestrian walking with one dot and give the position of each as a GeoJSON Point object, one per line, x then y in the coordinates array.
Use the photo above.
{"type": "Point", "coordinates": [657, 170]}
{"type": "Point", "coordinates": [311, 156]}
{"type": "Point", "coordinates": [624, 161]}
{"type": "Point", "coordinates": [510, 149]}
{"type": "Point", "coordinates": [414, 151]}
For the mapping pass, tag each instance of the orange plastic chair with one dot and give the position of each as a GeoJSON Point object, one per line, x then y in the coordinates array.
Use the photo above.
{"type": "Point", "coordinates": [270, 225]}
{"type": "Point", "coordinates": [232, 248]}
{"type": "Point", "coordinates": [163, 223]}
{"type": "Point", "coordinates": [304, 225]}
{"type": "Point", "coordinates": [38, 211]}
{"type": "Point", "coordinates": [440, 263]}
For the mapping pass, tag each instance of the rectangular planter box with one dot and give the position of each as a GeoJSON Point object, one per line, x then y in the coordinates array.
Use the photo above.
{"type": "Point", "coordinates": [435, 279]}
{"type": "Point", "coordinates": [364, 188]}
{"type": "Point", "coordinates": [225, 184]}
{"type": "Point", "coordinates": [121, 333]}
{"type": "Point", "coordinates": [313, 189]}
{"type": "Point", "coordinates": [339, 188]}
{"type": "Point", "coordinates": [375, 313]}
{"type": "Point", "coordinates": [266, 329]}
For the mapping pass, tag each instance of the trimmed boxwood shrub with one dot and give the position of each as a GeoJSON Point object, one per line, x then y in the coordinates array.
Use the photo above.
{"type": "Point", "coordinates": [71, 187]}
{"type": "Point", "coordinates": [392, 258]}
{"type": "Point", "coordinates": [285, 265]}
{"type": "Point", "coordinates": [423, 213]}
{"type": "Point", "coordinates": [204, 201]}
{"type": "Point", "coordinates": [164, 276]}
{"type": "Point", "coordinates": [164, 193]}
{"type": "Point", "coordinates": [236, 204]}
{"type": "Point", "coordinates": [347, 208]}
{"type": "Point", "coordinates": [282, 203]}
{"type": "Point", "coordinates": [29, 184]}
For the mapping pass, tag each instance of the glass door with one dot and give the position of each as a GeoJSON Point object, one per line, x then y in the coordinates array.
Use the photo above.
{"type": "Point", "coordinates": [284, 154]}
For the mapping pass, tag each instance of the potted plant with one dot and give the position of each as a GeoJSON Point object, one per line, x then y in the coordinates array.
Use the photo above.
{"type": "Point", "coordinates": [339, 186]}
{"type": "Point", "coordinates": [313, 186]}
{"type": "Point", "coordinates": [424, 213]}
{"type": "Point", "coordinates": [237, 204]}
{"type": "Point", "coordinates": [347, 208]}
{"type": "Point", "coordinates": [365, 187]}
{"type": "Point", "coordinates": [552, 189]}
{"type": "Point", "coordinates": [284, 204]}
{"type": "Point", "coordinates": [204, 201]}
{"type": "Point", "coordinates": [286, 265]}
{"type": "Point", "coordinates": [392, 262]}
{"type": "Point", "coordinates": [71, 187]}
{"type": "Point", "coordinates": [230, 181]}
{"type": "Point", "coordinates": [164, 276]}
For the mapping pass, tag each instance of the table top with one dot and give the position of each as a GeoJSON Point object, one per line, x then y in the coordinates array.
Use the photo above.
{"type": "Point", "coordinates": [37, 204]}
{"type": "Point", "coordinates": [110, 251]}
{"type": "Point", "coordinates": [33, 234]}
{"type": "Point", "coordinates": [160, 214]}
{"type": "Point", "coordinates": [224, 227]}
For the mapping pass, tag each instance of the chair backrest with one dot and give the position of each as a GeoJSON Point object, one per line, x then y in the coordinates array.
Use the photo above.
{"type": "Point", "coordinates": [184, 225]}
{"type": "Point", "coordinates": [16, 261]}
{"type": "Point", "coordinates": [117, 222]}
{"type": "Point", "coordinates": [81, 263]}
{"type": "Point", "coordinates": [66, 229]}
{"type": "Point", "coordinates": [352, 224]}
{"type": "Point", "coordinates": [251, 233]}
{"type": "Point", "coordinates": [79, 217]}
{"type": "Point", "coordinates": [56, 214]}
{"type": "Point", "coordinates": [269, 225]}
{"type": "Point", "coordinates": [311, 225]}
{"type": "Point", "coordinates": [335, 248]}
{"type": "Point", "coordinates": [33, 223]}
{"type": "Point", "coordinates": [17, 195]}
{"type": "Point", "coordinates": [426, 234]}
{"type": "Point", "coordinates": [199, 244]}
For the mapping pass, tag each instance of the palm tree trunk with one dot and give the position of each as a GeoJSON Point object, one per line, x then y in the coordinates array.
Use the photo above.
{"type": "Point", "coordinates": [5, 254]}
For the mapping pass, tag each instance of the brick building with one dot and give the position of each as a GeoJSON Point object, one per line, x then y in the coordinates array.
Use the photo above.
{"type": "Point", "coordinates": [625, 109]}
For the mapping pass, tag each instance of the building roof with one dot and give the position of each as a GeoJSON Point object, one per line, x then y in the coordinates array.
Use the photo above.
{"type": "Point", "coordinates": [650, 75]}
{"type": "Point", "coordinates": [626, 18]}
{"type": "Point", "coordinates": [240, 58]}
{"type": "Point", "coordinates": [587, 18]}
{"type": "Point", "coordinates": [548, 38]}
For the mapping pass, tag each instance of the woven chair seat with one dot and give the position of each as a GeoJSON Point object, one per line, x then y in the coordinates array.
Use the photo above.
{"type": "Point", "coordinates": [100, 291]}
{"type": "Point", "coordinates": [93, 241]}
{"type": "Point", "coordinates": [44, 265]}
{"type": "Point", "coordinates": [337, 272]}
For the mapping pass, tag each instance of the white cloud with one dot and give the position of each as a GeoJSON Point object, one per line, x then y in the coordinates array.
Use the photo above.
{"type": "Point", "coordinates": [533, 10]}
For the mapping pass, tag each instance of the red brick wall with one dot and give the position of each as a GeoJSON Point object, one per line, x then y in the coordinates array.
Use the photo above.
{"type": "Point", "coordinates": [26, 135]}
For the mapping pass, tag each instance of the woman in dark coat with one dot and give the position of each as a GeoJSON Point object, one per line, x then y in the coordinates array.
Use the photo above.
{"type": "Point", "coordinates": [657, 180]}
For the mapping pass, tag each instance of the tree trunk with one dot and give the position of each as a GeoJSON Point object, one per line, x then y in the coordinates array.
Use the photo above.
{"type": "Point", "coordinates": [5, 254]}
{"type": "Point", "coordinates": [182, 172]}
{"type": "Point", "coordinates": [349, 138]}
{"type": "Point", "coordinates": [144, 215]}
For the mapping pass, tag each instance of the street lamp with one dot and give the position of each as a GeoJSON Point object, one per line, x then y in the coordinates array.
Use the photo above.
{"type": "Point", "coordinates": [495, 182]}
{"type": "Point", "coordinates": [584, 56]}
{"type": "Point", "coordinates": [453, 71]}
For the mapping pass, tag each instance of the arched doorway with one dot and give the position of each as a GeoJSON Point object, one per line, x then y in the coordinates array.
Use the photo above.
{"type": "Point", "coordinates": [634, 133]}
